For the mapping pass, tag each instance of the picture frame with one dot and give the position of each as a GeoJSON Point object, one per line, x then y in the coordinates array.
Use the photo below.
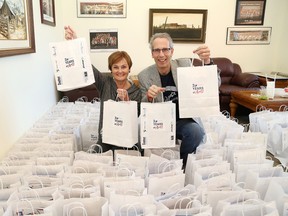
{"type": "Point", "coordinates": [47, 10]}
{"type": "Point", "coordinates": [183, 25]}
{"type": "Point", "coordinates": [103, 40]}
{"type": "Point", "coordinates": [102, 8]}
{"type": "Point", "coordinates": [11, 42]}
{"type": "Point", "coordinates": [250, 12]}
{"type": "Point", "coordinates": [248, 35]}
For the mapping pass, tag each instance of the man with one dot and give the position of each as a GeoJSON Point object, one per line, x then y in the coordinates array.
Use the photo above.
{"type": "Point", "coordinates": [161, 78]}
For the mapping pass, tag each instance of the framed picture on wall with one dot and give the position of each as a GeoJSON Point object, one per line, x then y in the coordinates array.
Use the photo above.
{"type": "Point", "coordinates": [103, 40]}
{"type": "Point", "coordinates": [101, 8]}
{"type": "Point", "coordinates": [47, 9]}
{"type": "Point", "coordinates": [248, 35]}
{"type": "Point", "coordinates": [17, 28]}
{"type": "Point", "coordinates": [183, 25]}
{"type": "Point", "coordinates": [250, 12]}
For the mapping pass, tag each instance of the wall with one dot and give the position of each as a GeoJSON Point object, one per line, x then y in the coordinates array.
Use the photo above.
{"type": "Point", "coordinates": [280, 31]}
{"type": "Point", "coordinates": [133, 33]}
{"type": "Point", "coordinates": [27, 88]}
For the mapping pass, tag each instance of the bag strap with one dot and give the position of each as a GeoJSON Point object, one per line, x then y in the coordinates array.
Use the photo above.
{"type": "Point", "coordinates": [82, 99]}
{"type": "Point", "coordinates": [283, 108]}
{"type": "Point", "coordinates": [260, 107]}
{"type": "Point", "coordinates": [119, 171]}
{"type": "Point", "coordinates": [193, 61]}
{"type": "Point", "coordinates": [36, 180]}
{"type": "Point", "coordinates": [1, 184]}
{"type": "Point", "coordinates": [242, 195]}
{"type": "Point", "coordinates": [162, 98]}
{"type": "Point", "coordinates": [64, 99]}
{"type": "Point", "coordinates": [93, 149]}
{"type": "Point", "coordinates": [95, 100]}
{"type": "Point", "coordinates": [188, 204]}
{"type": "Point", "coordinates": [256, 202]}
{"type": "Point", "coordinates": [133, 148]}
{"type": "Point", "coordinates": [127, 208]}
{"type": "Point", "coordinates": [168, 152]}
{"type": "Point", "coordinates": [76, 169]}
{"type": "Point", "coordinates": [117, 96]}
{"type": "Point", "coordinates": [20, 210]}
{"type": "Point", "coordinates": [84, 212]}
{"type": "Point", "coordinates": [74, 206]}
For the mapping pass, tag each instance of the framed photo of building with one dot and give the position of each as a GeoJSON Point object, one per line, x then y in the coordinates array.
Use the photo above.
{"type": "Point", "coordinates": [103, 40]}
{"type": "Point", "coordinates": [47, 9]}
{"type": "Point", "coordinates": [16, 27]}
{"type": "Point", "coordinates": [250, 12]}
{"type": "Point", "coordinates": [101, 8]}
{"type": "Point", "coordinates": [248, 35]}
{"type": "Point", "coordinates": [183, 25]}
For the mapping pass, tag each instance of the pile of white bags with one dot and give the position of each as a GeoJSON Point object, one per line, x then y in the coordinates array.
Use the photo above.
{"type": "Point", "coordinates": [275, 125]}
{"type": "Point", "coordinates": [49, 171]}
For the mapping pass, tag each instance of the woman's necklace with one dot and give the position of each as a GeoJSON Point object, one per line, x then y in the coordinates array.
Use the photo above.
{"type": "Point", "coordinates": [126, 85]}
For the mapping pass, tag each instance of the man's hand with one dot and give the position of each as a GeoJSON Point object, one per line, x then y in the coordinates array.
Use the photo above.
{"type": "Point", "coordinates": [204, 53]}
{"type": "Point", "coordinates": [153, 91]}
{"type": "Point", "coordinates": [70, 34]}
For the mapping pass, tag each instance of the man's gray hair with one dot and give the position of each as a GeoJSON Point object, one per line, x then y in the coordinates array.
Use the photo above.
{"type": "Point", "coordinates": [161, 35]}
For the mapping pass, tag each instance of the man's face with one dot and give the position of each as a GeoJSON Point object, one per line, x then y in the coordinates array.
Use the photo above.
{"type": "Point", "coordinates": [162, 54]}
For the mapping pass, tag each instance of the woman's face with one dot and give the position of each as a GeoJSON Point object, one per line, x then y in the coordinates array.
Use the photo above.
{"type": "Point", "coordinates": [120, 70]}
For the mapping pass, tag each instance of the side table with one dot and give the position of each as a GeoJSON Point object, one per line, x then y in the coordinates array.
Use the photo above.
{"type": "Point", "coordinates": [245, 99]}
{"type": "Point", "coordinates": [280, 81]}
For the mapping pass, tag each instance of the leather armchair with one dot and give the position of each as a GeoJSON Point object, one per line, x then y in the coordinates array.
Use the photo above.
{"type": "Point", "coordinates": [232, 79]}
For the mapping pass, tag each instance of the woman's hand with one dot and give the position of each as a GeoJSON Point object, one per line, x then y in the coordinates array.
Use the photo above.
{"type": "Point", "coordinates": [122, 94]}
{"type": "Point", "coordinates": [70, 34]}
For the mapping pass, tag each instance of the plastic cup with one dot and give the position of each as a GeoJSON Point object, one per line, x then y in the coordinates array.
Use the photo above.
{"type": "Point", "coordinates": [270, 89]}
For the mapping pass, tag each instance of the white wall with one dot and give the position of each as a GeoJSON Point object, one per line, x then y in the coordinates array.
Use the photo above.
{"type": "Point", "coordinates": [133, 33]}
{"type": "Point", "coordinates": [27, 87]}
{"type": "Point", "coordinates": [279, 35]}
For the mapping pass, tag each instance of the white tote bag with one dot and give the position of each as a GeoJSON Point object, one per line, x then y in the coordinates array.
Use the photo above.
{"type": "Point", "coordinates": [158, 125]}
{"type": "Point", "coordinates": [198, 91]}
{"type": "Point", "coordinates": [159, 186]}
{"type": "Point", "coordinates": [278, 191]}
{"type": "Point", "coordinates": [72, 64]}
{"type": "Point", "coordinates": [120, 123]}
{"type": "Point", "coordinates": [79, 206]}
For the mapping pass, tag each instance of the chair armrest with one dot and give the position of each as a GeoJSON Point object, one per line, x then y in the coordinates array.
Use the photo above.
{"type": "Point", "coordinates": [245, 80]}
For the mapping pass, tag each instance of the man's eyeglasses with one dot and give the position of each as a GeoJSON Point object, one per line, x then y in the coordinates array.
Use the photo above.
{"type": "Point", "coordinates": [164, 50]}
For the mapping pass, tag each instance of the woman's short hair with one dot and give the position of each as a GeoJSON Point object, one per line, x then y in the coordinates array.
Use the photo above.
{"type": "Point", "coordinates": [118, 56]}
{"type": "Point", "coordinates": [161, 35]}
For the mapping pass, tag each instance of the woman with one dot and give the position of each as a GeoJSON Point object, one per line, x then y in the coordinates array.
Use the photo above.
{"type": "Point", "coordinates": [115, 87]}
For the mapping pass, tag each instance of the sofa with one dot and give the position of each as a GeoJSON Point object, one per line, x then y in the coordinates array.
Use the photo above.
{"type": "Point", "coordinates": [232, 79]}
{"type": "Point", "coordinates": [90, 92]}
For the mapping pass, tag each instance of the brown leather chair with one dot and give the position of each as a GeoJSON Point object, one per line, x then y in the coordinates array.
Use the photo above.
{"type": "Point", "coordinates": [232, 79]}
